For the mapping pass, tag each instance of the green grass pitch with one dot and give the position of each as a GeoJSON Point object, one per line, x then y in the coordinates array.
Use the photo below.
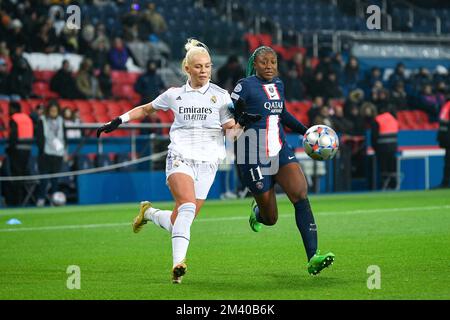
{"type": "Point", "coordinates": [405, 234]}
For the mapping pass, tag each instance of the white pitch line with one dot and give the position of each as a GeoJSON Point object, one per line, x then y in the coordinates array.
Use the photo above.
{"type": "Point", "coordinates": [109, 225]}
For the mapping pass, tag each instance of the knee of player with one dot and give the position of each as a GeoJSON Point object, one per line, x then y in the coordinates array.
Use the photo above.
{"type": "Point", "coordinates": [299, 195]}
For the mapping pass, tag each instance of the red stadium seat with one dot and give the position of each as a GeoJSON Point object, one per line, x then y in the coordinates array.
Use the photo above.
{"type": "Point", "coordinates": [43, 75]}
{"type": "Point", "coordinates": [65, 103]}
{"type": "Point", "coordinates": [125, 91]}
{"type": "Point", "coordinates": [124, 77]}
{"type": "Point", "coordinates": [113, 109]}
{"type": "Point", "coordinates": [4, 107]}
{"type": "Point", "coordinates": [87, 118]}
{"type": "Point", "coordinates": [42, 89]}
{"type": "Point", "coordinates": [98, 107]}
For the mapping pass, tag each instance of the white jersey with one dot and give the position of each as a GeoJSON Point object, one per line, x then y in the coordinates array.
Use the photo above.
{"type": "Point", "coordinates": [196, 132]}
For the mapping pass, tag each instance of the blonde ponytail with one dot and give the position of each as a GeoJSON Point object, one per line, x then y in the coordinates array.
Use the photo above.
{"type": "Point", "coordinates": [192, 47]}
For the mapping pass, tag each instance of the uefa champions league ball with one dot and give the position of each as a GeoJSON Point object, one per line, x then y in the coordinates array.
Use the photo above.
{"type": "Point", "coordinates": [59, 198]}
{"type": "Point", "coordinates": [321, 142]}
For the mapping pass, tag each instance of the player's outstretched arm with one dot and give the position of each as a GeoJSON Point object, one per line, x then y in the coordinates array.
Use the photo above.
{"type": "Point", "coordinates": [134, 114]}
{"type": "Point", "coordinates": [292, 123]}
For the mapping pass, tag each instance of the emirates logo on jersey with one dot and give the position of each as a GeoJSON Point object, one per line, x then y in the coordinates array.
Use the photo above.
{"type": "Point", "coordinates": [194, 113]}
{"type": "Point", "coordinates": [271, 91]}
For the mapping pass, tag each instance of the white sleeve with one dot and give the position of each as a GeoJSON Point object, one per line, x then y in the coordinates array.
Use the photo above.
{"type": "Point", "coordinates": [163, 101]}
{"type": "Point", "coordinates": [224, 111]}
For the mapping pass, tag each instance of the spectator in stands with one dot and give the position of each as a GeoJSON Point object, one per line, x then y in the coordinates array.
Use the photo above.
{"type": "Point", "coordinates": [16, 35]}
{"type": "Point", "coordinates": [440, 74]}
{"type": "Point", "coordinates": [130, 22]}
{"type": "Point", "coordinates": [46, 40]}
{"type": "Point", "coordinates": [105, 82]}
{"type": "Point", "coordinates": [70, 118]}
{"type": "Point", "coordinates": [35, 115]}
{"type": "Point", "coordinates": [19, 148]}
{"type": "Point", "coordinates": [156, 20]}
{"type": "Point", "coordinates": [398, 75]}
{"type": "Point", "coordinates": [399, 97]}
{"type": "Point", "coordinates": [422, 78]}
{"type": "Point", "coordinates": [337, 65]}
{"type": "Point", "coordinates": [101, 37]}
{"type": "Point", "coordinates": [315, 87]}
{"type": "Point", "coordinates": [298, 62]}
{"type": "Point", "coordinates": [380, 98]}
{"type": "Point", "coordinates": [352, 108]}
{"type": "Point", "coordinates": [64, 83]}
{"type": "Point", "coordinates": [441, 92]}
{"type": "Point", "coordinates": [86, 82]}
{"type": "Point", "coordinates": [118, 55]}
{"type": "Point", "coordinates": [4, 54]}
{"type": "Point", "coordinates": [318, 103]}
{"type": "Point", "coordinates": [99, 54]}
{"type": "Point", "coordinates": [86, 39]}
{"type": "Point", "coordinates": [4, 80]}
{"type": "Point", "coordinates": [368, 112]}
{"type": "Point", "coordinates": [21, 76]}
{"type": "Point", "coordinates": [373, 77]}
{"type": "Point", "coordinates": [325, 65]}
{"type": "Point", "coordinates": [384, 136]}
{"type": "Point", "coordinates": [69, 40]}
{"type": "Point", "coordinates": [324, 117]}
{"type": "Point", "coordinates": [428, 102]}
{"type": "Point", "coordinates": [229, 74]}
{"type": "Point", "coordinates": [331, 89]}
{"type": "Point", "coordinates": [51, 141]}
{"type": "Point", "coordinates": [294, 89]}
{"type": "Point", "coordinates": [340, 123]}
{"type": "Point", "coordinates": [149, 85]}
{"type": "Point", "coordinates": [351, 73]}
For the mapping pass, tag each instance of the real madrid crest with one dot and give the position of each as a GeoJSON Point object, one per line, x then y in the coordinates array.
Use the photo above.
{"type": "Point", "coordinates": [213, 99]}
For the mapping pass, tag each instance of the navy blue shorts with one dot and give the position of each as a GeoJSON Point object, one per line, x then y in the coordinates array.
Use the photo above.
{"type": "Point", "coordinates": [260, 177]}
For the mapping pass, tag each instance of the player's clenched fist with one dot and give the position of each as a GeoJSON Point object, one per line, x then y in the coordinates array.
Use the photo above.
{"type": "Point", "coordinates": [109, 127]}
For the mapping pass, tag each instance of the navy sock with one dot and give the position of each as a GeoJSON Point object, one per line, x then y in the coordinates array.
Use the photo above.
{"type": "Point", "coordinates": [258, 217]}
{"type": "Point", "coordinates": [306, 225]}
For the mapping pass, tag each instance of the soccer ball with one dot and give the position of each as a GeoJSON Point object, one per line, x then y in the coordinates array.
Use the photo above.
{"type": "Point", "coordinates": [321, 142]}
{"type": "Point", "coordinates": [59, 198]}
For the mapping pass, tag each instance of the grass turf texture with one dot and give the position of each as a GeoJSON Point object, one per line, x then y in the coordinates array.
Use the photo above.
{"type": "Point", "coordinates": [406, 234]}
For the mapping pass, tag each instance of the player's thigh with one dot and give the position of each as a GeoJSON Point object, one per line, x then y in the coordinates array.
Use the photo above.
{"type": "Point", "coordinates": [267, 204]}
{"type": "Point", "coordinates": [205, 174]}
{"type": "Point", "coordinates": [291, 179]}
{"type": "Point", "coordinates": [181, 186]}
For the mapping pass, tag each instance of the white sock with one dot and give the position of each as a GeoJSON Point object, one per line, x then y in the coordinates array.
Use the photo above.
{"type": "Point", "coordinates": [181, 231]}
{"type": "Point", "coordinates": [159, 217]}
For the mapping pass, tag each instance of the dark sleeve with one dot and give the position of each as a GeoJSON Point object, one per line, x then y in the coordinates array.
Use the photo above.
{"type": "Point", "coordinates": [40, 139]}
{"type": "Point", "coordinates": [13, 136]}
{"type": "Point", "coordinates": [288, 120]}
{"type": "Point", "coordinates": [239, 98]}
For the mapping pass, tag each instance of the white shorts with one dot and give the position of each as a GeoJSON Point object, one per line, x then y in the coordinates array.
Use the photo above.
{"type": "Point", "coordinates": [202, 172]}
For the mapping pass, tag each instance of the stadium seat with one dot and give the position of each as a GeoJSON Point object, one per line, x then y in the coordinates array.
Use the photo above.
{"type": "Point", "coordinates": [125, 91]}
{"type": "Point", "coordinates": [113, 109]}
{"type": "Point", "coordinates": [124, 77]}
{"type": "Point", "coordinates": [42, 89]}
{"type": "Point", "coordinates": [98, 107]}
{"type": "Point", "coordinates": [43, 75]}
{"type": "Point", "coordinates": [67, 103]}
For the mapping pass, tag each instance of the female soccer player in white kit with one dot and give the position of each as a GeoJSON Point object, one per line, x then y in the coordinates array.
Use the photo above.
{"type": "Point", "coordinates": [196, 146]}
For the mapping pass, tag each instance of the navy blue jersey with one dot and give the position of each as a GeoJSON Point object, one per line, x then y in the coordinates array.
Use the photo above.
{"type": "Point", "coordinates": [266, 98]}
